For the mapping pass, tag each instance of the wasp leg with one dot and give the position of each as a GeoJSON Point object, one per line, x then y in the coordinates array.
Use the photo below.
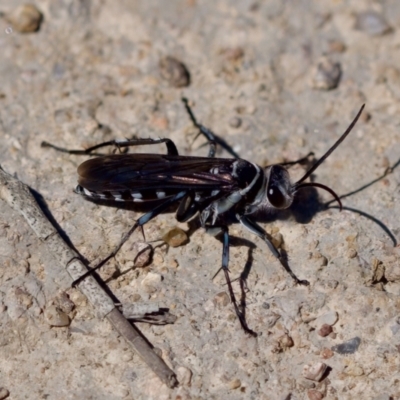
{"type": "Point", "coordinates": [119, 143]}
{"type": "Point", "coordinates": [260, 232]}
{"type": "Point", "coordinates": [144, 219]}
{"type": "Point", "coordinates": [240, 312]}
{"type": "Point", "coordinates": [211, 137]}
{"type": "Point", "coordinates": [187, 208]}
{"type": "Point", "coordinates": [299, 161]}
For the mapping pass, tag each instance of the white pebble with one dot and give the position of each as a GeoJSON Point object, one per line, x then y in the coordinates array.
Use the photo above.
{"type": "Point", "coordinates": [329, 318]}
{"type": "Point", "coordinates": [55, 317]}
{"type": "Point", "coordinates": [314, 372]}
{"type": "Point", "coordinates": [150, 282]}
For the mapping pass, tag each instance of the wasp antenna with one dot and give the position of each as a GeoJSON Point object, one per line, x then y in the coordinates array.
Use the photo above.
{"type": "Point", "coordinates": [328, 153]}
{"type": "Point", "coordinates": [321, 186]}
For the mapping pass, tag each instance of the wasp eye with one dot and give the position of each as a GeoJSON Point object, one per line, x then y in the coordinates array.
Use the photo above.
{"type": "Point", "coordinates": [276, 197]}
{"type": "Point", "coordinates": [279, 188]}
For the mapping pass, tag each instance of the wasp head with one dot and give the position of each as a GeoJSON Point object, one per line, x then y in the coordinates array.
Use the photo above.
{"type": "Point", "coordinates": [278, 192]}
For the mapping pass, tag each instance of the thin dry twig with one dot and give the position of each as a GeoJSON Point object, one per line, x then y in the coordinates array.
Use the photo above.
{"type": "Point", "coordinates": [19, 198]}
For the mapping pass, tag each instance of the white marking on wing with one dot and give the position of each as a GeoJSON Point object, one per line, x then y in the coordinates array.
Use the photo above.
{"type": "Point", "coordinates": [160, 195]}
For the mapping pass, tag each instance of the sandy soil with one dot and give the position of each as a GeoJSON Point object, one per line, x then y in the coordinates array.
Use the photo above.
{"type": "Point", "coordinates": [276, 80]}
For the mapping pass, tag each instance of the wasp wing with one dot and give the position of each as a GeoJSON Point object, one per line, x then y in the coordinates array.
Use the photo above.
{"type": "Point", "coordinates": [148, 173]}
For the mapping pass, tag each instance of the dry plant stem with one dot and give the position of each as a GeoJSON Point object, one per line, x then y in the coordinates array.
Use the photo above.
{"type": "Point", "coordinates": [20, 199]}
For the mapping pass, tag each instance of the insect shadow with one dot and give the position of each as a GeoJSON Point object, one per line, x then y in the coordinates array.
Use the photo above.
{"type": "Point", "coordinates": [218, 191]}
{"type": "Point", "coordinates": [387, 231]}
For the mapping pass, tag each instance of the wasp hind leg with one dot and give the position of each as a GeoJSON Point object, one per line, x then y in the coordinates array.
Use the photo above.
{"type": "Point", "coordinates": [144, 219]}
{"type": "Point", "coordinates": [239, 310]}
{"type": "Point", "coordinates": [118, 143]}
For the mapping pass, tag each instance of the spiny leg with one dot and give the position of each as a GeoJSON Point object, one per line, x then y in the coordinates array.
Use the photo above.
{"type": "Point", "coordinates": [119, 143]}
{"type": "Point", "coordinates": [144, 219]}
{"type": "Point", "coordinates": [299, 161]}
{"type": "Point", "coordinates": [225, 263]}
{"type": "Point", "coordinates": [187, 207]}
{"type": "Point", "coordinates": [260, 232]}
{"type": "Point", "coordinates": [211, 137]}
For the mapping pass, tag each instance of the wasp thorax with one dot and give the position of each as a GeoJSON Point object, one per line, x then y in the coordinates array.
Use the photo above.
{"type": "Point", "coordinates": [279, 191]}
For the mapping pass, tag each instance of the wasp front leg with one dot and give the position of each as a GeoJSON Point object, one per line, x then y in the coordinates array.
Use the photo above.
{"type": "Point", "coordinates": [260, 232]}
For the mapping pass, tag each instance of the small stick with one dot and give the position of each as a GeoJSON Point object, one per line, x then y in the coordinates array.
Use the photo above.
{"type": "Point", "coordinates": [19, 198]}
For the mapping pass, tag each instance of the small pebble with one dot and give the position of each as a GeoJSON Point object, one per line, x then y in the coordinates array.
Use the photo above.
{"type": "Point", "coordinates": [4, 393]}
{"type": "Point", "coordinates": [329, 318]}
{"type": "Point", "coordinates": [65, 303]}
{"type": "Point", "coordinates": [25, 18]}
{"type": "Point", "coordinates": [354, 369]}
{"type": "Point", "coordinates": [235, 122]}
{"type": "Point", "coordinates": [173, 264]}
{"type": "Point", "coordinates": [336, 46]}
{"type": "Point", "coordinates": [352, 253]}
{"type": "Point", "coordinates": [143, 255]}
{"type": "Point", "coordinates": [221, 299]}
{"type": "Point", "coordinates": [184, 376]}
{"type": "Point", "coordinates": [158, 258]}
{"type": "Point", "coordinates": [326, 353]}
{"type": "Point", "coordinates": [233, 54]}
{"type": "Point", "coordinates": [326, 74]}
{"type": "Point", "coordinates": [235, 384]}
{"type": "Point", "coordinates": [372, 23]}
{"type": "Point", "coordinates": [333, 335]}
{"type": "Point", "coordinates": [135, 297]}
{"type": "Point", "coordinates": [378, 270]}
{"type": "Point", "coordinates": [285, 341]}
{"type": "Point", "coordinates": [77, 298]}
{"type": "Point", "coordinates": [321, 259]}
{"type": "Point", "coordinates": [393, 288]}
{"type": "Point", "coordinates": [277, 240]}
{"type": "Point", "coordinates": [150, 282]}
{"type": "Point", "coordinates": [349, 347]}
{"type": "Point", "coordinates": [392, 271]}
{"type": "Point", "coordinates": [314, 372]}
{"type": "Point", "coordinates": [246, 109]}
{"type": "Point", "coordinates": [305, 383]}
{"type": "Point", "coordinates": [175, 237]}
{"type": "Point", "coordinates": [325, 330]}
{"type": "Point", "coordinates": [174, 72]}
{"type": "Point", "coordinates": [313, 394]}
{"type": "Point", "coordinates": [55, 317]}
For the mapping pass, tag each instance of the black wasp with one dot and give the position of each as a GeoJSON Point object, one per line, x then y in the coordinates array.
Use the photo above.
{"type": "Point", "coordinates": [208, 187]}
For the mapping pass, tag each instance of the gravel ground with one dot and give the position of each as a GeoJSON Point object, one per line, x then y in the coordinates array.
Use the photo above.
{"type": "Point", "coordinates": [276, 80]}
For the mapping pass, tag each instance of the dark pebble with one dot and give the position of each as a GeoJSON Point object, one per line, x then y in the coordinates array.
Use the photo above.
{"type": "Point", "coordinates": [325, 330]}
{"type": "Point", "coordinates": [174, 71]}
{"type": "Point", "coordinates": [349, 347]}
